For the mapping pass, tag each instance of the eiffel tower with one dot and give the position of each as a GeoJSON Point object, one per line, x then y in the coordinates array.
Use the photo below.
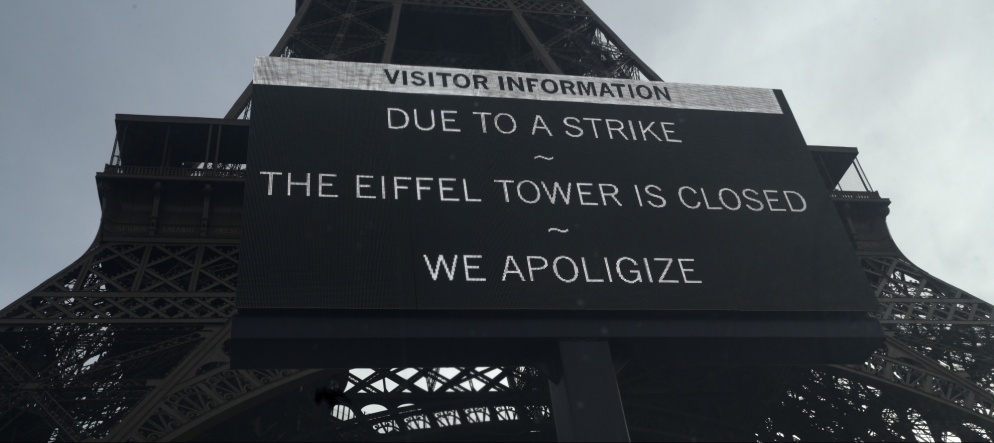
{"type": "Point", "coordinates": [130, 341]}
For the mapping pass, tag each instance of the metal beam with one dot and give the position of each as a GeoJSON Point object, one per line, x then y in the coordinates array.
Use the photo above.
{"type": "Point", "coordinates": [537, 47]}
{"type": "Point", "coordinates": [392, 32]}
{"type": "Point", "coordinates": [903, 367]}
{"type": "Point", "coordinates": [43, 398]}
{"type": "Point", "coordinates": [137, 415]}
{"type": "Point", "coordinates": [586, 402]}
{"type": "Point", "coordinates": [644, 68]}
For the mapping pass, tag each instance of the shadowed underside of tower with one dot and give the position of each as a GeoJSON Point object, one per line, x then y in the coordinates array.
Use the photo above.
{"type": "Point", "coordinates": [130, 341]}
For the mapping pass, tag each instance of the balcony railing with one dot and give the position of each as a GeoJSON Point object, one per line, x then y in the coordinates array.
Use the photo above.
{"type": "Point", "coordinates": [854, 195]}
{"type": "Point", "coordinates": [855, 180]}
{"type": "Point", "coordinates": [154, 171]}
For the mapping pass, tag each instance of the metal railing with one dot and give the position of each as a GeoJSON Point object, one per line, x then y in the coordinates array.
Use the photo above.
{"type": "Point", "coordinates": [854, 195]}
{"type": "Point", "coordinates": [854, 179]}
{"type": "Point", "coordinates": [155, 171]}
{"type": "Point", "coordinates": [854, 185]}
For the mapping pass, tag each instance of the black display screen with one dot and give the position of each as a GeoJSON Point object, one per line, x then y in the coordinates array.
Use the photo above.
{"type": "Point", "coordinates": [365, 199]}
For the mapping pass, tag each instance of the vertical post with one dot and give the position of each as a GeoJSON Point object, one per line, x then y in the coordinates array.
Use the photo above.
{"type": "Point", "coordinates": [115, 156]}
{"type": "Point", "coordinates": [207, 146]}
{"type": "Point", "coordinates": [205, 215]}
{"type": "Point", "coordinates": [217, 145]}
{"type": "Point", "coordinates": [165, 148]}
{"type": "Point", "coordinates": [153, 221]}
{"type": "Point", "coordinates": [586, 403]}
{"type": "Point", "coordinates": [392, 33]}
{"type": "Point", "coordinates": [538, 48]}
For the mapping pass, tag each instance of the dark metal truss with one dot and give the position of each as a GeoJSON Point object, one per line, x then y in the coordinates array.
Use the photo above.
{"type": "Point", "coordinates": [548, 36]}
{"type": "Point", "coordinates": [129, 342]}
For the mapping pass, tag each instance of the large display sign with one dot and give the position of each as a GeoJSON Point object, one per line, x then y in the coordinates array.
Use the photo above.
{"type": "Point", "coordinates": [385, 187]}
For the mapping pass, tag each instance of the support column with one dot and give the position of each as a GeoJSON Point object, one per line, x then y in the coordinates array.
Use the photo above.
{"type": "Point", "coordinates": [586, 403]}
{"type": "Point", "coordinates": [392, 32]}
{"type": "Point", "coordinates": [539, 49]}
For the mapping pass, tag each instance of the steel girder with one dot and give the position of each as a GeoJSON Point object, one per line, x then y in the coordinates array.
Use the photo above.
{"type": "Point", "coordinates": [909, 295]}
{"type": "Point", "coordinates": [562, 37]}
{"type": "Point", "coordinates": [121, 282]}
{"type": "Point", "coordinates": [130, 335]}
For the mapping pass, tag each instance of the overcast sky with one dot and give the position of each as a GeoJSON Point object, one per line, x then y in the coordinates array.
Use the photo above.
{"type": "Point", "coordinates": [906, 82]}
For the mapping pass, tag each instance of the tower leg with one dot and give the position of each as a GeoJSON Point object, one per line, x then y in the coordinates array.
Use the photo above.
{"type": "Point", "coordinates": [586, 403]}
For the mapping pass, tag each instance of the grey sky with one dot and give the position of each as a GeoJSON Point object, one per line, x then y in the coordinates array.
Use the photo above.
{"type": "Point", "coordinates": [907, 82]}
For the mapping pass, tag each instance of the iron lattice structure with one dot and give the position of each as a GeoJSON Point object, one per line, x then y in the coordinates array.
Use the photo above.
{"type": "Point", "coordinates": [129, 342]}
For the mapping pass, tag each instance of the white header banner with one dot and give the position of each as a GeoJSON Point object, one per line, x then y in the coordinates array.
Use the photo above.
{"type": "Point", "coordinates": [279, 71]}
